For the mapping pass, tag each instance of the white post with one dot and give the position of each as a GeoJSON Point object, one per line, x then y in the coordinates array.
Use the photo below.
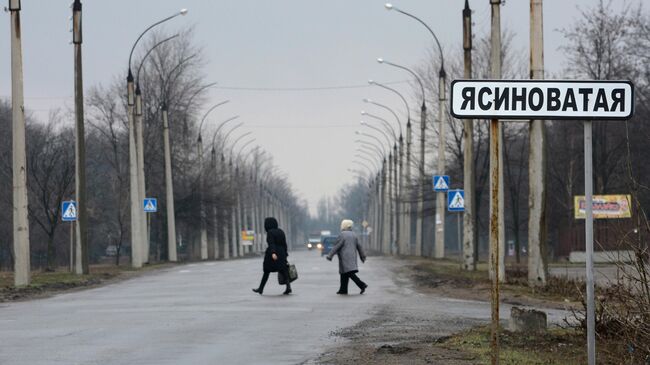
{"type": "Point", "coordinates": [589, 243]}
{"type": "Point", "coordinates": [537, 266]}
{"type": "Point", "coordinates": [21, 222]}
{"type": "Point", "coordinates": [169, 192]}
{"type": "Point", "coordinates": [439, 248]}
{"type": "Point", "coordinates": [470, 247]}
{"type": "Point", "coordinates": [203, 232]}
{"type": "Point", "coordinates": [144, 232]}
{"type": "Point", "coordinates": [134, 195]}
{"type": "Point", "coordinates": [80, 145]}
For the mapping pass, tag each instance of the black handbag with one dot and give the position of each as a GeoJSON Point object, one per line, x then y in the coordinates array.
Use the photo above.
{"type": "Point", "coordinates": [293, 274]}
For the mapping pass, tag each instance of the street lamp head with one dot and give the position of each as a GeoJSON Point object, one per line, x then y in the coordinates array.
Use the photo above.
{"type": "Point", "coordinates": [371, 82]}
{"type": "Point", "coordinates": [363, 112]}
{"type": "Point", "coordinates": [388, 6]}
{"type": "Point", "coordinates": [357, 132]}
{"type": "Point", "coordinates": [380, 60]}
{"type": "Point", "coordinates": [183, 11]}
{"type": "Point", "coordinates": [363, 123]}
{"type": "Point", "coordinates": [366, 100]}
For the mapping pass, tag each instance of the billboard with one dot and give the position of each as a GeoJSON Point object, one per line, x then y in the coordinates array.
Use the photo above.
{"type": "Point", "coordinates": [604, 206]}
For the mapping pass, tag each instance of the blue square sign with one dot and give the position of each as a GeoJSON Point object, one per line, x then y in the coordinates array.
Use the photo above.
{"type": "Point", "coordinates": [440, 183]}
{"type": "Point", "coordinates": [150, 205]}
{"type": "Point", "coordinates": [456, 200]}
{"type": "Point", "coordinates": [69, 211]}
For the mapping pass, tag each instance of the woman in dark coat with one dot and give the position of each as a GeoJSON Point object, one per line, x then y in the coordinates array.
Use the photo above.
{"type": "Point", "coordinates": [346, 247]}
{"type": "Point", "coordinates": [275, 257]}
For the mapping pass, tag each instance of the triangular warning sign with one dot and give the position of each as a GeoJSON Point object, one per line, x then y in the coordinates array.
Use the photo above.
{"type": "Point", "coordinates": [441, 184]}
{"type": "Point", "coordinates": [70, 212]}
{"type": "Point", "coordinates": [149, 206]}
{"type": "Point", "coordinates": [457, 202]}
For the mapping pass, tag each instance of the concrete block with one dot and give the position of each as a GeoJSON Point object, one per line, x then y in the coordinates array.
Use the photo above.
{"type": "Point", "coordinates": [601, 257]}
{"type": "Point", "coordinates": [527, 320]}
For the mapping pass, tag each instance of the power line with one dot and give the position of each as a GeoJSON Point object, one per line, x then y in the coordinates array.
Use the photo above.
{"type": "Point", "coordinates": [311, 88]}
{"type": "Point", "coordinates": [300, 126]}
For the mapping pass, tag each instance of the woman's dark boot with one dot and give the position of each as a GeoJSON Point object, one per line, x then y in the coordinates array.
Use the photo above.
{"type": "Point", "coordinates": [260, 289]}
{"type": "Point", "coordinates": [288, 290]}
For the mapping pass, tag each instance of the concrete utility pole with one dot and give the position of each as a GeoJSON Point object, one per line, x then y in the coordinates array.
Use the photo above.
{"type": "Point", "coordinates": [22, 266]}
{"type": "Point", "coordinates": [169, 191]}
{"type": "Point", "coordinates": [204, 232]}
{"type": "Point", "coordinates": [495, 182]}
{"type": "Point", "coordinates": [419, 210]}
{"type": "Point", "coordinates": [224, 226]}
{"type": "Point", "coordinates": [139, 146]}
{"type": "Point", "coordinates": [138, 216]}
{"type": "Point", "coordinates": [81, 247]}
{"type": "Point", "coordinates": [213, 192]}
{"type": "Point", "coordinates": [470, 247]}
{"type": "Point", "coordinates": [396, 199]}
{"type": "Point", "coordinates": [537, 265]}
{"type": "Point", "coordinates": [134, 192]}
{"type": "Point", "coordinates": [441, 198]}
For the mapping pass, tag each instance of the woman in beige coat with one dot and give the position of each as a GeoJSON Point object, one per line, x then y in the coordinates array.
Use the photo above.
{"type": "Point", "coordinates": [346, 247]}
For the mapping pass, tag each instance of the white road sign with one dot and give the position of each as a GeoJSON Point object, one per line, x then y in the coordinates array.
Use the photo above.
{"type": "Point", "coordinates": [542, 99]}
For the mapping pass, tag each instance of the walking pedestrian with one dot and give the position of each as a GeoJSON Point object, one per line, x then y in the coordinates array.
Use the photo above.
{"type": "Point", "coordinates": [275, 257]}
{"type": "Point", "coordinates": [346, 247]}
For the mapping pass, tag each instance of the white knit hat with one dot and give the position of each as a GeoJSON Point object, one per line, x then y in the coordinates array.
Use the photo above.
{"type": "Point", "coordinates": [346, 225]}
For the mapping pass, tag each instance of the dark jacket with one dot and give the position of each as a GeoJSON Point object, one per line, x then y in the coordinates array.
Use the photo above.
{"type": "Point", "coordinates": [347, 245]}
{"type": "Point", "coordinates": [277, 244]}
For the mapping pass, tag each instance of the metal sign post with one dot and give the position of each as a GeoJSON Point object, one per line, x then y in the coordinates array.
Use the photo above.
{"type": "Point", "coordinates": [546, 99]}
{"type": "Point", "coordinates": [456, 203]}
{"type": "Point", "coordinates": [589, 246]}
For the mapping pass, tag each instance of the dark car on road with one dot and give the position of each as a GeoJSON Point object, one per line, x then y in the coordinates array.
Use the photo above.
{"type": "Point", "coordinates": [328, 242]}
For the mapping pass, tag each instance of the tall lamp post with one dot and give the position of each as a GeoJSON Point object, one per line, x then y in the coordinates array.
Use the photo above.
{"type": "Point", "coordinates": [219, 247]}
{"type": "Point", "coordinates": [139, 126]}
{"type": "Point", "coordinates": [398, 174]}
{"type": "Point", "coordinates": [137, 228]}
{"type": "Point", "coordinates": [439, 251]}
{"type": "Point", "coordinates": [236, 212]}
{"type": "Point", "coordinates": [419, 210]}
{"type": "Point", "coordinates": [199, 146]}
{"type": "Point", "coordinates": [171, 222]}
{"type": "Point", "coordinates": [402, 246]}
{"type": "Point", "coordinates": [81, 247]}
{"type": "Point", "coordinates": [230, 248]}
{"type": "Point", "coordinates": [21, 222]}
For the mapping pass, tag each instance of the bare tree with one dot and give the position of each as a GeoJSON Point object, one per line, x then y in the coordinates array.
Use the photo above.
{"type": "Point", "coordinates": [51, 177]}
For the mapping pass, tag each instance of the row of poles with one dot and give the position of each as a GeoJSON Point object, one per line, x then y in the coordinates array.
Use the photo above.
{"type": "Point", "coordinates": [397, 202]}
{"type": "Point", "coordinates": [256, 194]}
{"type": "Point", "coordinates": [395, 206]}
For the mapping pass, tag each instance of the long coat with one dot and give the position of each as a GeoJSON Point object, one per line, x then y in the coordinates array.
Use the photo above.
{"type": "Point", "coordinates": [277, 244]}
{"type": "Point", "coordinates": [347, 245]}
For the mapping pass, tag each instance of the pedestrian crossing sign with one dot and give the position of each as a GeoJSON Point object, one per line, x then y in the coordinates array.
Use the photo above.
{"type": "Point", "coordinates": [69, 211]}
{"type": "Point", "coordinates": [456, 200]}
{"type": "Point", "coordinates": [440, 183]}
{"type": "Point", "coordinates": [150, 205]}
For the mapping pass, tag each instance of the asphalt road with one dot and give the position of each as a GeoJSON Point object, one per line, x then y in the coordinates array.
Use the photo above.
{"type": "Point", "coordinates": [206, 313]}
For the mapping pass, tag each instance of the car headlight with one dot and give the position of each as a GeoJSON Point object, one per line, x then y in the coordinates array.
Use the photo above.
{"type": "Point", "coordinates": [319, 246]}
{"type": "Point", "coordinates": [309, 245]}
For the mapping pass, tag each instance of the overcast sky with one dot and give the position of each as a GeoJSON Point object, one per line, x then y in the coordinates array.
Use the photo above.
{"type": "Point", "coordinates": [263, 44]}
